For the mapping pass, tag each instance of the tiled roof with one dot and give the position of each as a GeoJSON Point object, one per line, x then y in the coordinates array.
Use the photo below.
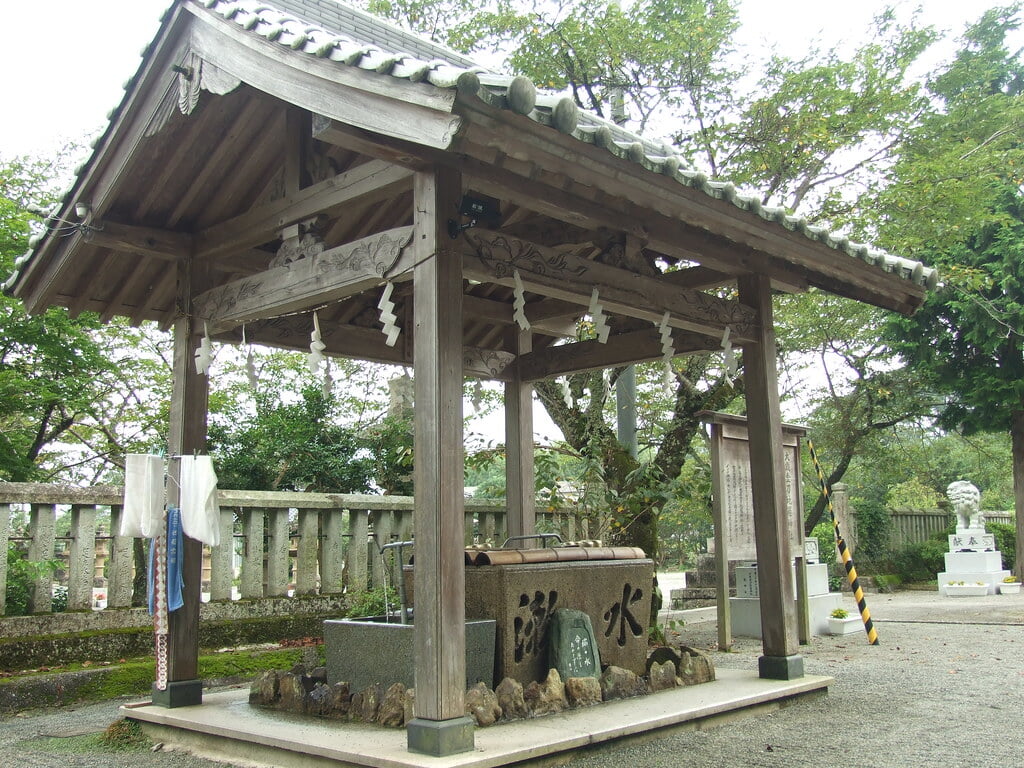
{"type": "Point", "coordinates": [339, 18]}
{"type": "Point", "coordinates": [304, 26]}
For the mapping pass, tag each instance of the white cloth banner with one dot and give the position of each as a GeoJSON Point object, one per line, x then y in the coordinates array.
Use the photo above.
{"type": "Point", "coordinates": [200, 515]}
{"type": "Point", "coordinates": [143, 512]}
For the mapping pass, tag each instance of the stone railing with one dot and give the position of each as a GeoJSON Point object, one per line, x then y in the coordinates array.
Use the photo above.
{"type": "Point", "coordinates": [273, 544]}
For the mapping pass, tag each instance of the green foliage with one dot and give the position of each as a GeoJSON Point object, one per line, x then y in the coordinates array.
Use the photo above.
{"type": "Point", "coordinates": [825, 534]}
{"type": "Point", "coordinates": [371, 602]}
{"type": "Point", "coordinates": [912, 494]}
{"type": "Point", "coordinates": [124, 735]}
{"type": "Point", "coordinates": [874, 527]}
{"type": "Point", "coordinates": [21, 574]}
{"type": "Point", "coordinates": [391, 446]}
{"type": "Point", "coordinates": [888, 582]}
{"type": "Point", "coordinates": [1006, 542]}
{"type": "Point", "coordinates": [956, 201]}
{"type": "Point", "coordinates": [840, 613]}
{"type": "Point", "coordinates": [921, 561]}
{"type": "Point", "coordinates": [290, 446]}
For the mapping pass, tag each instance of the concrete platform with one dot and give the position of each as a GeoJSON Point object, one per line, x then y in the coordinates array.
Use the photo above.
{"type": "Point", "coordinates": [225, 727]}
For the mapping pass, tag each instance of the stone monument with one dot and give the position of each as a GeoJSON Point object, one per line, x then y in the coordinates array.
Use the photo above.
{"type": "Point", "coordinates": [972, 558]}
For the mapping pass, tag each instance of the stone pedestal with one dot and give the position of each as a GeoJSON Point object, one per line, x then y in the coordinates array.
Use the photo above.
{"type": "Point", "coordinates": [973, 558]}
{"type": "Point", "coordinates": [745, 608]}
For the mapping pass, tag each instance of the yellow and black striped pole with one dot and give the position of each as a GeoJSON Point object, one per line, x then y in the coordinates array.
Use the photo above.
{"type": "Point", "coordinates": [844, 553]}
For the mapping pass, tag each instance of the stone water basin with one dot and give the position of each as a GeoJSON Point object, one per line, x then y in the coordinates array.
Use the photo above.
{"type": "Point", "coordinates": [370, 650]}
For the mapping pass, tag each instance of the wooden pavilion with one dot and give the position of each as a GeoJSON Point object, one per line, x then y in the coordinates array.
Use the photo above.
{"type": "Point", "coordinates": [272, 159]}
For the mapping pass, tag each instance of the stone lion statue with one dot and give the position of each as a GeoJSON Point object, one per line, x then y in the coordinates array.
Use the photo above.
{"type": "Point", "coordinates": [966, 501]}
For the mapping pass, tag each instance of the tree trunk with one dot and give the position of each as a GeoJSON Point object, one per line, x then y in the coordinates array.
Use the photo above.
{"type": "Point", "coordinates": [1017, 435]}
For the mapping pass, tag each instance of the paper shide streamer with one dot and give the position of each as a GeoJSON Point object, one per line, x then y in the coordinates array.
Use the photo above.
{"type": "Point", "coordinates": [731, 366]}
{"type": "Point", "coordinates": [519, 303]}
{"type": "Point", "coordinates": [316, 347]}
{"type": "Point", "coordinates": [204, 353]}
{"type": "Point", "coordinates": [668, 350]}
{"type": "Point", "coordinates": [388, 318]}
{"type": "Point", "coordinates": [596, 311]}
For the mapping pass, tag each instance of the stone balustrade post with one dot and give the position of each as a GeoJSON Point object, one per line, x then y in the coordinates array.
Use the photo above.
{"type": "Point", "coordinates": [308, 549]}
{"type": "Point", "coordinates": [121, 564]}
{"type": "Point", "coordinates": [42, 532]}
{"type": "Point", "coordinates": [222, 557]}
{"type": "Point", "coordinates": [332, 565]}
{"type": "Point", "coordinates": [82, 557]}
{"type": "Point", "coordinates": [252, 561]}
{"type": "Point", "coordinates": [5, 532]}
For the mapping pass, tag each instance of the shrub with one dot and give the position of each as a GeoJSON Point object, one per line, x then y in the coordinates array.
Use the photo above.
{"type": "Point", "coordinates": [371, 602]}
{"type": "Point", "coordinates": [21, 572]}
{"type": "Point", "coordinates": [1006, 542]}
{"type": "Point", "coordinates": [920, 561]}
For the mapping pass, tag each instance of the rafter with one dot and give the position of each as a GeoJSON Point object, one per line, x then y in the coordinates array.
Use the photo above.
{"type": "Point", "coordinates": [374, 181]}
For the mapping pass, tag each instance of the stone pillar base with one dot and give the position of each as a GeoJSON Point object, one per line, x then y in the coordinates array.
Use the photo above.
{"type": "Point", "coordinates": [180, 693]}
{"type": "Point", "coordinates": [780, 667]}
{"type": "Point", "coordinates": [440, 738]}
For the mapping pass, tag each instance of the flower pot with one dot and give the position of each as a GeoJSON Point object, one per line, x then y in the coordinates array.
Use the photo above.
{"type": "Point", "coordinates": [1009, 588]}
{"type": "Point", "coordinates": [966, 590]}
{"type": "Point", "coordinates": [846, 626]}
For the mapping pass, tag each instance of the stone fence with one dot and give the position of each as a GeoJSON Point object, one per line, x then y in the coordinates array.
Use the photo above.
{"type": "Point", "coordinates": [273, 544]}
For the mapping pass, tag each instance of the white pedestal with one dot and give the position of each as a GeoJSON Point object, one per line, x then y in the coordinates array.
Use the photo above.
{"type": "Point", "coordinates": [746, 613]}
{"type": "Point", "coordinates": [972, 558]}
{"type": "Point", "coordinates": [745, 608]}
{"type": "Point", "coordinates": [817, 581]}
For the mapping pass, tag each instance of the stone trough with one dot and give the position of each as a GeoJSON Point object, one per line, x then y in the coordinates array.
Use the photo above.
{"type": "Point", "coordinates": [365, 651]}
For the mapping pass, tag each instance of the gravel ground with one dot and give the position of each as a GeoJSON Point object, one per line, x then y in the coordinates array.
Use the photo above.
{"type": "Point", "coordinates": [945, 688]}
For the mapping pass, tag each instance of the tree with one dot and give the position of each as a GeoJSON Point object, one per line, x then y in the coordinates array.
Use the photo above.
{"type": "Point", "coordinates": [955, 200]}
{"type": "Point", "coordinates": [58, 375]}
{"type": "Point", "coordinates": [811, 125]}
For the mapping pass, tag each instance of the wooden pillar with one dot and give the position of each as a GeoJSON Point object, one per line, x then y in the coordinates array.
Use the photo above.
{"type": "Point", "coordinates": [768, 482]}
{"type": "Point", "coordinates": [721, 547]}
{"type": "Point", "coordinates": [440, 726]}
{"type": "Point", "coordinates": [520, 496]}
{"type": "Point", "coordinates": [186, 435]}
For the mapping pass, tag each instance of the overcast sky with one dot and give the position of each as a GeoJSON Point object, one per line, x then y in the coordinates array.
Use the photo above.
{"type": "Point", "coordinates": [64, 61]}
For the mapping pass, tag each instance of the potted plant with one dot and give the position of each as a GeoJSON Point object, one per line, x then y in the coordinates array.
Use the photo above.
{"type": "Point", "coordinates": [964, 589]}
{"type": "Point", "coordinates": [840, 622]}
{"type": "Point", "coordinates": [1009, 586]}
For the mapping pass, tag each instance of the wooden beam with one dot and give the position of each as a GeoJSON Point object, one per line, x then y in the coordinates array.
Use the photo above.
{"type": "Point", "coordinates": [550, 317]}
{"type": "Point", "coordinates": [483, 363]}
{"type": "Point", "coordinates": [621, 349]}
{"type": "Point", "coordinates": [439, 639]}
{"type": "Point", "coordinates": [374, 181]}
{"type": "Point", "coordinates": [699, 278]}
{"type": "Point", "coordinates": [416, 112]}
{"type": "Point", "coordinates": [493, 258]}
{"type": "Point", "coordinates": [145, 241]}
{"type": "Point", "coordinates": [768, 485]}
{"type": "Point", "coordinates": [327, 276]}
